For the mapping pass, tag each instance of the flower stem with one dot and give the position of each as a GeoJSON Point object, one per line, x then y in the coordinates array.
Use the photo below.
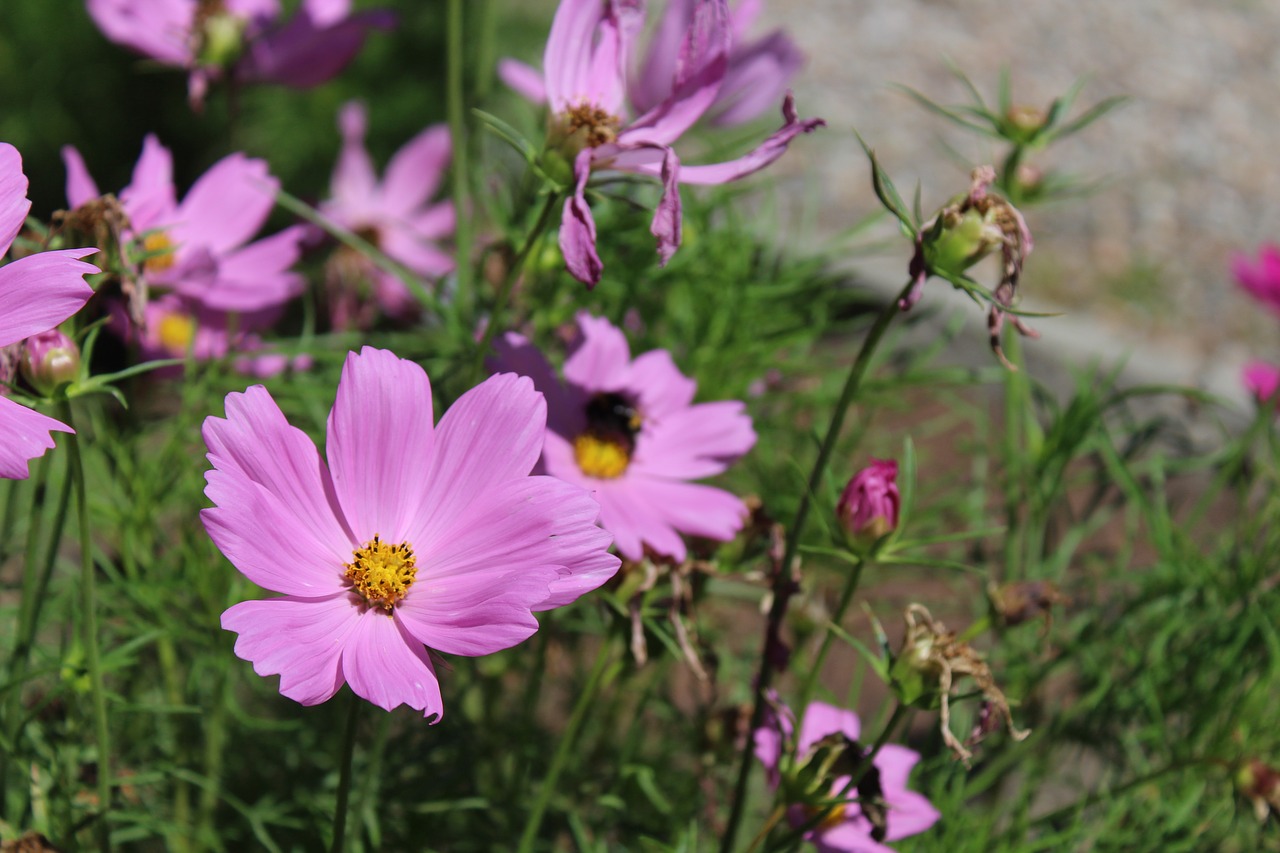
{"type": "Point", "coordinates": [89, 623]}
{"type": "Point", "coordinates": [846, 596]}
{"type": "Point", "coordinates": [567, 738]}
{"type": "Point", "coordinates": [765, 677]}
{"type": "Point", "coordinates": [455, 96]}
{"type": "Point", "coordinates": [344, 779]}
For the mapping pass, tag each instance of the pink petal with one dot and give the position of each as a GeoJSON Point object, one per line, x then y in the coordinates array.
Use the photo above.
{"type": "Point", "coordinates": [630, 514]}
{"type": "Point", "coordinates": [658, 385]}
{"type": "Point", "coordinates": [80, 185]}
{"type": "Point", "coordinates": [387, 666]}
{"type": "Point", "coordinates": [26, 436]}
{"type": "Point", "coordinates": [490, 435]}
{"type": "Point", "coordinates": [160, 29]}
{"type": "Point", "coordinates": [14, 204]}
{"type": "Point", "coordinates": [226, 205]}
{"type": "Point", "coordinates": [821, 719]}
{"type": "Point", "coordinates": [1261, 379]}
{"type": "Point", "coordinates": [695, 442]}
{"type": "Point", "coordinates": [568, 51]}
{"type": "Point", "coordinates": [757, 76]}
{"type": "Point", "coordinates": [416, 253]}
{"type": "Point", "coordinates": [656, 79]}
{"type": "Point", "coordinates": [601, 358]}
{"type": "Point", "coordinates": [254, 277]}
{"type": "Point", "coordinates": [909, 812]}
{"type": "Point", "coordinates": [414, 173]}
{"type": "Point", "coordinates": [578, 228]}
{"type": "Point", "coordinates": [848, 836]}
{"type": "Point", "coordinates": [149, 199]}
{"type": "Point", "coordinates": [690, 508]}
{"type": "Point", "coordinates": [300, 639]}
{"type": "Point", "coordinates": [667, 216]}
{"type": "Point", "coordinates": [768, 151]}
{"type": "Point", "coordinates": [434, 222]}
{"type": "Point", "coordinates": [40, 291]}
{"type": "Point", "coordinates": [524, 79]}
{"type": "Point", "coordinates": [327, 12]}
{"type": "Point", "coordinates": [354, 181]}
{"type": "Point", "coordinates": [515, 354]}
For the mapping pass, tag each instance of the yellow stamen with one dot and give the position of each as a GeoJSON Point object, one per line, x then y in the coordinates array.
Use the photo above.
{"type": "Point", "coordinates": [176, 332]}
{"type": "Point", "coordinates": [589, 125]}
{"type": "Point", "coordinates": [600, 457]}
{"type": "Point", "coordinates": [382, 573]}
{"type": "Point", "coordinates": [159, 252]}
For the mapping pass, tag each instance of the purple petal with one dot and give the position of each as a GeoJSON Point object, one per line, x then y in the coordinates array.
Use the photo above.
{"type": "Point", "coordinates": [578, 228]}
{"type": "Point", "coordinates": [254, 277]}
{"type": "Point", "coordinates": [159, 29]}
{"type": "Point", "coordinates": [300, 639]}
{"type": "Point", "coordinates": [26, 436]}
{"type": "Point", "coordinates": [656, 79]}
{"type": "Point", "coordinates": [515, 354]}
{"type": "Point", "coordinates": [568, 51]}
{"type": "Point", "coordinates": [696, 442]}
{"type": "Point", "coordinates": [326, 12]}
{"type": "Point", "coordinates": [14, 204]}
{"type": "Point", "coordinates": [149, 199]}
{"type": "Point", "coordinates": [40, 291]}
{"type": "Point", "coordinates": [768, 151]}
{"type": "Point", "coordinates": [387, 666]}
{"type": "Point", "coordinates": [380, 445]}
{"type": "Point", "coordinates": [601, 358]}
{"type": "Point", "coordinates": [226, 205]}
{"type": "Point", "coordinates": [758, 74]}
{"type": "Point", "coordinates": [80, 185]}
{"type": "Point", "coordinates": [304, 53]}
{"type": "Point", "coordinates": [667, 216]}
{"type": "Point", "coordinates": [524, 79]}
{"type": "Point", "coordinates": [1261, 379]}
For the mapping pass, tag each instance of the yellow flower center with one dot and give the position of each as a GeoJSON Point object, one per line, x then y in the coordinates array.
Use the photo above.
{"type": "Point", "coordinates": [600, 456]}
{"type": "Point", "coordinates": [176, 332]}
{"type": "Point", "coordinates": [832, 816]}
{"type": "Point", "coordinates": [382, 573]}
{"type": "Point", "coordinates": [588, 126]}
{"type": "Point", "coordinates": [159, 252]}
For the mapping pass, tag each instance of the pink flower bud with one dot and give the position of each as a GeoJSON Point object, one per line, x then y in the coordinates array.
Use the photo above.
{"type": "Point", "coordinates": [868, 509]}
{"type": "Point", "coordinates": [49, 359]}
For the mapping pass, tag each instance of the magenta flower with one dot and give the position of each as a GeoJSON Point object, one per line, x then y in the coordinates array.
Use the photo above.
{"type": "Point", "coordinates": [1261, 280]}
{"type": "Point", "coordinates": [1262, 380]}
{"type": "Point", "coordinates": [845, 829]}
{"type": "Point", "coordinates": [197, 248]}
{"type": "Point", "coordinates": [36, 293]}
{"type": "Point", "coordinates": [240, 39]}
{"type": "Point", "coordinates": [394, 214]}
{"type": "Point", "coordinates": [585, 64]}
{"type": "Point", "coordinates": [628, 430]}
{"type": "Point", "coordinates": [413, 540]}
{"type": "Point", "coordinates": [868, 507]}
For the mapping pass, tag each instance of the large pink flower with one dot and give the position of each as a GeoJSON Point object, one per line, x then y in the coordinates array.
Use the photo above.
{"type": "Point", "coordinates": [412, 540]}
{"type": "Point", "coordinates": [847, 830]}
{"type": "Point", "coordinates": [395, 214]}
{"type": "Point", "coordinates": [586, 62]}
{"type": "Point", "coordinates": [243, 39]}
{"type": "Point", "coordinates": [627, 429]}
{"type": "Point", "coordinates": [1260, 280]}
{"type": "Point", "coordinates": [36, 293]}
{"type": "Point", "coordinates": [198, 248]}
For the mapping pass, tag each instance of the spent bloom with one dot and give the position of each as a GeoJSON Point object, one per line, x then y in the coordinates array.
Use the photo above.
{"type": "Point", "coordinates": [36, 293]}
{"type": "Point", "coordinates": [241, 40]}
{"type": "Point", "coordinates": [412, 541]}
{"type": "Point", "coordinates": [1260, 279]}
{"type": "Point", "coordinates": [395, 214]}
{"type": "Point", "coordinates": [585, 85]}
{"type": "Point", "coordinates": [628, 430]}
{"type": "Point", "coordinates": [820, 765]}
{"type": "Point", "coordinates": [868, 507]}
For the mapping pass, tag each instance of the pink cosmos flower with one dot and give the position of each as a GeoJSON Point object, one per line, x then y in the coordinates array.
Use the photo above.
{"type": "Point", "coordinates": [394, 214]}
{"type": "Point", "coordinates": [628, 430]}
{"type": "Point", "coordinates": [1262, 380]}
{"type": "Point", "coordinates": [412, 541]}
{"type": "Point", "coordinates": [1262, 279]}
{"type": "Point", "coordinates": [868, 507]}
{"type": "Point", "coordinates": [197, 248]}
{"type": "Point", "coordinates": [846, 829]}
{"type": "Point", "coordinates": [36, 293]}
{"type": "Point", "coordinates": [241, 39]}
{"type": "Point", "coordinates": [586, 61]}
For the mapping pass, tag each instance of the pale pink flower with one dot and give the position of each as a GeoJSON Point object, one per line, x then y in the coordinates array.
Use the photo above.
{"type": "Point", "coordinates": [585, 84]}
{"type": "Point", "coordinates": [395, 214]}
{"type": "Point", "coordinates": [36, 293]}
{"type": "Point", "coordinates": [413, 541]}
{"type": "Point", "coordinates": [846, 829]}
{"type": "Point", "coordinates": [243, 40]}
{"type": "Point", "coordinates": [868, 507]}
{"type": "Point", "coordinates": [628, 430]}
{"type": "Point", "coordinates": [198, 248]}
{"type": "Point", "coordinates": [1261, 280]}
{"type": "Point", "coordinates": [1262, 380]}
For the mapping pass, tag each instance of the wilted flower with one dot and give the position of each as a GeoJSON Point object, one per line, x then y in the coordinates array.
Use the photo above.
{"type": "Point", "coordinates": [1261, 379]}
{"type": "Point", "coordinates": [868, 507]}
{"type": "Point", "coordinates": [197, 248]}
{"type": "Point", "coordinates": [36, 293]}
{"type": "Point", "coordinates": [1017, 602]}
{"type": "Point", "coordinates": [49, 359]}
{"type": "Point", "coordinates": [586, 71]}
{"type": "Point", "coordinates": [826, 756]}
{"type": "Point", "coordinates": [241, 40]}
{"type": "Point", "coordinates": [394, 214]}
{"type": "Point", "coordinates": [412, 541]}
{"type": "Point", "coordinates": [1261, 280]}
{"type": "Point", "coordinates": [628, 430]}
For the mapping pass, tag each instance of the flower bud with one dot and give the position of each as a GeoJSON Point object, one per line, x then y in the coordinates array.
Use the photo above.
{"type": "Point", "coordinates": [49, 359]}
{"type": "Point", "coordinates": [868, 508]}
{"type": "Point", "coordinates": [972, 226]}
{"type": "Point", "coordinates": [221, 36]}
{"type": "Point", "coordinates": [9, 358]}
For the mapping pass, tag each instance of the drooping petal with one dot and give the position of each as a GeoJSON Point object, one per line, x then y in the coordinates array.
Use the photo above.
{"type": "Point", "coordinates": [299, 639]}
{"type": "Point", "coordinates": [764, 154]}
{"type": "Point", "coordinates": [354, 181]}
{"type": "Point", "coordinates": [414, 173]}
{"type": "Point", "coordinates": [80, 185]}
{"type": "Point", "coordinates": [149, 199]}
{"type": "Point", "coordinates": [758, 74]}
{"type": "Point", "coordinates": [40, 291]}
{"type": "Point", "coordinates": [524, 79]}
{"type": "Point", "coordinates": [601, 357]}
{"type": "Point", "coordinates": [305, 53]}
{"type": "Point", "coordinates": [226, 205]}
{"type": "Point", "coordinates": [254, 277]}
{"type": "Point", "coordinates": [14, 204]}
{"type": "Point", "coordinates": [387, 666]}
{"type": "Point", "coordinates": [26, 435]}
{"type": "Point", "coordinates": [656, 79]}
{"type": "Point", "coordinates": [380, 444]}
{"type": "Point", "coordinates": [490, 435]}
{"type": "Point", "coordinates": [695, 442]}
{"type": "Point", "coordinates": [667, 217]}
{"type": "Point", "coordinates": [578, 228]}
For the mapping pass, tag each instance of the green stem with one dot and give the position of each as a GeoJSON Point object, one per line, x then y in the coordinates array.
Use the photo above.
{"type": "Point", "coordinates": [36, 584]}
{"type": "Point", "coordinates": [846, 596]}
{"type": "Point", "coordinates": [455, 95]}
{"type": "Point", "coordinates": [765, 677]}
{"type": "Point", "coordinates": [89, 623]}
{"type": "Point", "coordinates": [567, 739]}
{"type": "Point", "coordinates": [344, 779]}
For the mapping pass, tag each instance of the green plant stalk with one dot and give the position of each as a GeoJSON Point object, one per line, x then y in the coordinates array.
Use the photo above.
{"type": "Point", "coordinates": [846, 596]}
{"type": "Point", "coordinates": [215, 733]}
{"type": "Point", "coordinates": [765, 677]}
{"type": "Point", "coordinates": [1014, 447]}
{"type": "Point", "coordinates": [567, 739]}
{"type": "Point", "coordinates": [344, 779]}
{"type": "Point", "coordinates": [89, 623]}
{"type": "Point", "coordinates": [176, 839]}
{"type": "Point", "coordinates": [455, 106]}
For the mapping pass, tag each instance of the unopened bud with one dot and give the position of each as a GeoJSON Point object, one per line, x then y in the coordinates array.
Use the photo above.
{"type": "Point", "coordinates": [868, 508]}
{"type": "Point", "coordinates": [9, 358]}
{"type": "Point", "coordinates": [1026, 120]}
{"type": "Point", "coordinates": [221, 39]}
{"type": "Point", "coordinates": [49, 359]}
